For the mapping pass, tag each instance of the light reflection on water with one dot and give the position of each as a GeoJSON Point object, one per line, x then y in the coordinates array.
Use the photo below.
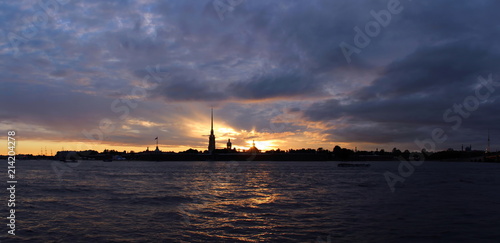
{"type": "Point", "coordinates": [255, 201]}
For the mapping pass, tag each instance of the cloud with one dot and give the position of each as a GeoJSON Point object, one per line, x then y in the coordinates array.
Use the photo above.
{"type": "Point", "coordinates": [409, 98]}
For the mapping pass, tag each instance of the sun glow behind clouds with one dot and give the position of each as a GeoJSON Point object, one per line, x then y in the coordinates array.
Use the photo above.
{"type": "Point", "coordinates": [227, 132]}
{"type": "Point", "coordinates": [241, 140]}
{"type": "Point", "coordinates": [263, 145]}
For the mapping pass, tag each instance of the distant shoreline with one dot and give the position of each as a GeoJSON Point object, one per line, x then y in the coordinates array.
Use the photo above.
{"type": "Point", "coordinates": [443, 156]}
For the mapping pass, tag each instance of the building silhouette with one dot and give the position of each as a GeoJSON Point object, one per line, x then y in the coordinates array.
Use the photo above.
{"type": "Point", "coordinates": [157, 150]}
{"type": "Point", "coordinates": [469, 148]}
{"type": "Point", "coordinates": [253, 149]}
{"type": "Point", "coordinates": [211, 138]}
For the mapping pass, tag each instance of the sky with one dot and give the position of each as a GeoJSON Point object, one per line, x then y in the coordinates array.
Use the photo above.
{"type": "Point", "coordinates": [79, 75]}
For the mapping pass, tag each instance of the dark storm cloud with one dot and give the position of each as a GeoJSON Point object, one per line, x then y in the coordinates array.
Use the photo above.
{"type": "Point", "coordinates": [275, 85]}
{"type": "Point", "coordinates": [287, 85]}
{"type": "Point", "coordinates": [57, 108]}
{"type": "Point", "coordinates": [411, 96]}
{"type": "Point", "coordinates": [59, 73]}
{"type": "Point", "coordinates": [448, 70]}
{"type": "Point", "coordinates": [284, 48]}
{"type": "Point", "coordinates": [183, 89]}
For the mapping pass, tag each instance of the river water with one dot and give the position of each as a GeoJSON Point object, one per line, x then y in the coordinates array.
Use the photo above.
{"type": "Point", "coordinates": [95, 201]}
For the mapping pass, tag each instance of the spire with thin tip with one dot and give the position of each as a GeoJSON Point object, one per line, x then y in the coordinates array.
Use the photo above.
{"type": "Point", "coordinates": [212, 121]}
{"type": "Point", "coordinates": [211, 139]}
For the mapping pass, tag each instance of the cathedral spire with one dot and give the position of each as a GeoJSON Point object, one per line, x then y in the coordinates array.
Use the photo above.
{"type": "Point", "coordinates": [212, 122]}
{"type": "Point", "coordinates": [211, 138]}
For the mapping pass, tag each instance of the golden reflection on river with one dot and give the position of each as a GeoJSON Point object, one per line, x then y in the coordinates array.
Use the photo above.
{"type": "Point", "coordinates": [219, 193]}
